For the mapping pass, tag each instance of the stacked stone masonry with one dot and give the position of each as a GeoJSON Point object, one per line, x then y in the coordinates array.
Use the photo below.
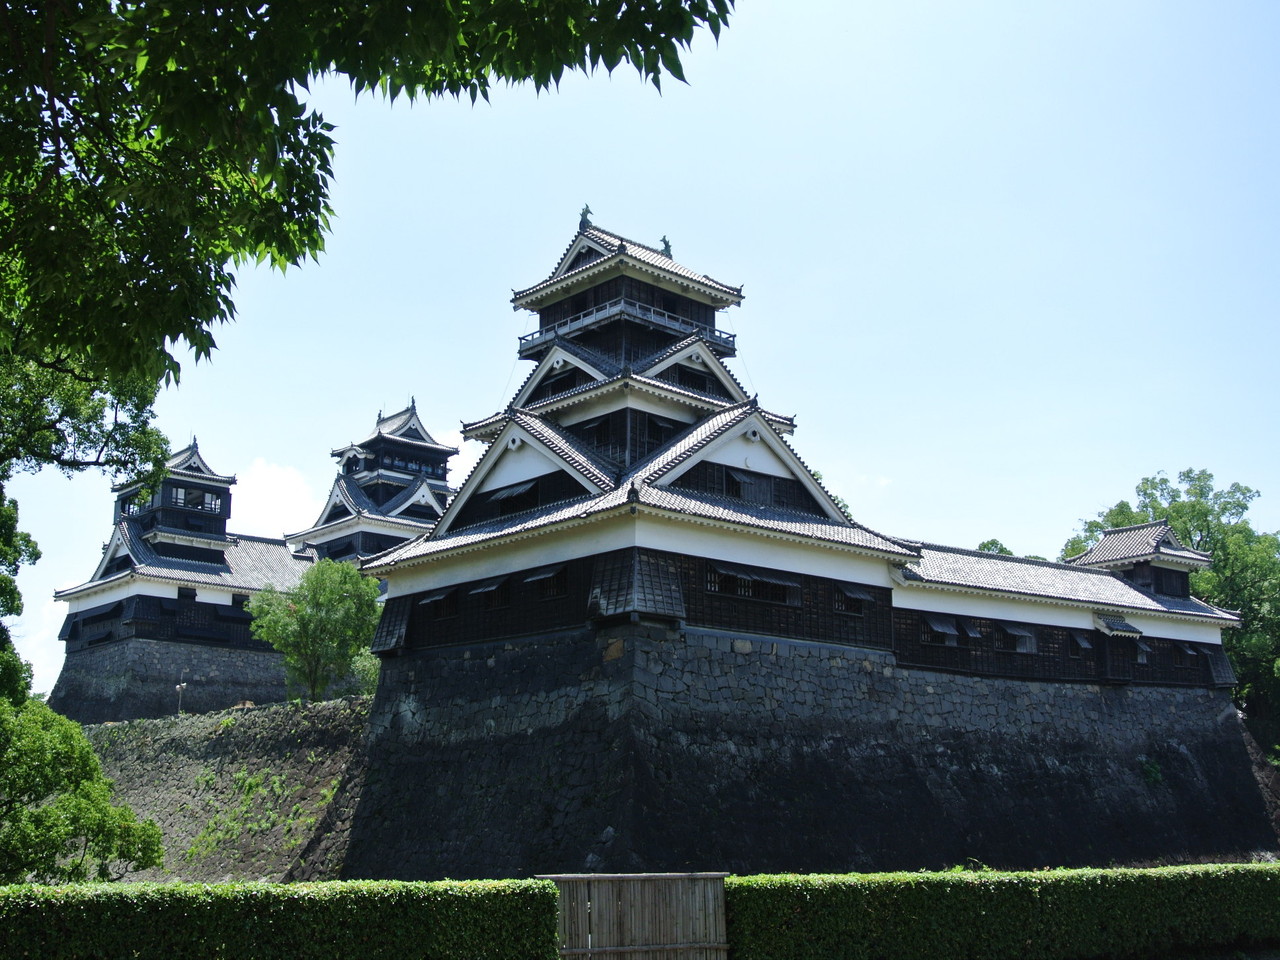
{"type": "Point", "coordinates": [130, 679]}
{"type": "Point", "coordinates": [645, 748]}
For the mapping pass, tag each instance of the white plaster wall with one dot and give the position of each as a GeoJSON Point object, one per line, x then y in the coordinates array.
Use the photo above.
{"type": "Point", "coordinates": [815, 559]}
{"type": "Point", "coordinates": [120, 591]}
{"type": "Point", "coordinates": [631, 399]}
{"type": "Point", "coordinates": [738, 451]}
{"type": "Point", "coordinates": [625, 530]}
{"type": "Point", "coordinates": [1046, 613]}
{"type": "Point", "coordinates": [1175, 629]}
{"type": "Point", "coordinates": [558, 546]}
{"type": "Point", "coordinates": [513, 466]}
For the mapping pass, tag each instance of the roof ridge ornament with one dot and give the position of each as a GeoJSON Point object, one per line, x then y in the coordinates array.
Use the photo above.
{"type": "Point", "coordinates": [666, 247]}
{"type": "Point", "coordinates": [584, 218]}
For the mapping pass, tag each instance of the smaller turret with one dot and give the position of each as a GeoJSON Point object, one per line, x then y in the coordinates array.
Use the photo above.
{"type": "Point", "coordinates": [1148, 555]}
{"type": "Point", "coordinates": [192, 498]}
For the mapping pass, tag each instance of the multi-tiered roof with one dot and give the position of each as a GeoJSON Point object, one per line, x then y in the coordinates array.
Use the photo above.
{"type": "Point", "coordinates": [630, 407]}
{"type": "Point", "coordinates": [391, 486]}
{"type": "Point", "coordinates": [631, 433]}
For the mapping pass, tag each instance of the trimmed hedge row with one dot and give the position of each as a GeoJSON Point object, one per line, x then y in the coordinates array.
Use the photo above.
{"type": "Point", "coordinates": [448, 920]}
{"type": "Point", "coordinates": [1057, 915]}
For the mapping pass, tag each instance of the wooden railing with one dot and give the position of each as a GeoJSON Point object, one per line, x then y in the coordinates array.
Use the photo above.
{"type": "Point", "coordinates": [631, 308]}
{"type": "Point", "coordinates": [644, 916]}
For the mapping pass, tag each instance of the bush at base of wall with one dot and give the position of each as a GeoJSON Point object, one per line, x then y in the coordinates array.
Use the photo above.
{"type": "Point", "coordinates": [1061, 914]}
{"type": "Point", "coordinates": [481, 919]}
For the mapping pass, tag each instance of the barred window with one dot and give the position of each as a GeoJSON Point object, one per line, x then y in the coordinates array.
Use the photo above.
{"type": "Point", "coordinates": [492, 594]}
{"type": "Point", "coordinates": [1016, 638]}
{"type": "Point", "coordinates": [851, 599]}
{"type": "Point", "coordinates": [752, 583]}
{"type": "Point", "coordinates": [442, 603]}
{"type": "Point", "coordinates": [549, 582]}
{"type": "Point", "coordinates": [941, 630]}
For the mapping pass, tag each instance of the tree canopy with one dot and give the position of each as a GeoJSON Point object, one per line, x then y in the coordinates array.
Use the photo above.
{"type": "Point", "coordinates": [321, 625]}
{"type": "Point", "coordinates": [151, 146]}
{"type": "Point", "coordinates": [1244, 575]}
{"type": "Point", "coordinates": [57, 821]}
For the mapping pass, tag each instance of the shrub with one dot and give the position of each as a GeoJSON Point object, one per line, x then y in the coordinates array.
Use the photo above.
{"type": "Point", "coordinates": [448, 920]}
{"type": "Point", "coordinates": [1056, 915]}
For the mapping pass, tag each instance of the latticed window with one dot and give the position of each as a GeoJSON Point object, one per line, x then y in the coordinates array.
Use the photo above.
{"type": "Point", "coordinates": [492, 594]}
{"type": "Point", "coordinates": [941, 630]}
{"type": "Point", "coordinates": [441, 604]}
{"type": "Point", "coordinates": [850, 599]}
{"type": "Point", "coordinates": [752, 583]}
{"type": "Point", "coordinates": [1016, 638]}
{"type": "Point", "coordinates": [548, 583]}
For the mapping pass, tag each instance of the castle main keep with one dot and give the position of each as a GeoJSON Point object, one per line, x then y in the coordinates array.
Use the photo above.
{"type": "Point", "coordinates": [642, 636]}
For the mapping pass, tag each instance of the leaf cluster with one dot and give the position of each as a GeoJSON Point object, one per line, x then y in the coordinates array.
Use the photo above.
{"type": "Point", "coordinates": [321, 625]}
{"type": "Point", "coordinates": [57, 820]}
{"type": "Point", "coordinates": [151, 145]}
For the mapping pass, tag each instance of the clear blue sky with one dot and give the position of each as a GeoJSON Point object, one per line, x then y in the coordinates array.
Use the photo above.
{"type": "Point", "coordinates": [1001, 260]}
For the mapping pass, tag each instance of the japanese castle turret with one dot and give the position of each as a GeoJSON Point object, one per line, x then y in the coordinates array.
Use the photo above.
{"type": "Point", "coordinates": [643, 636]}
{"type": "Point", "coordinates": [391, 487]}
{"type": "Point", "coordinates": [165, 607]}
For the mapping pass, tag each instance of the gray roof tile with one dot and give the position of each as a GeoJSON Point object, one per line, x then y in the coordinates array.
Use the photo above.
{"type": "Point", "coordinates": [953, 566]}
{"type": "Point", "coordinates": [568, 448]}
{"type": "Point", "coordinates": [769, 518]}
{"type": "Point", "coordinates": [1143, 541]}
{"type": "Point", "coordinates": [251, 563]}
{"type": "Point", "coordinates": [616, 245]}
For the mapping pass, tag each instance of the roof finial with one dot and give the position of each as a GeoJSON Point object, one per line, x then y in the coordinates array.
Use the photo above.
{"type": "Point", "coordinates": [666, 247]}
{"type": "Point", "coordinates": [413, 402]}
{"type": "Point", "coordinates": [584, 219]}
{"type": "Point", "coordinates": [194, 444]}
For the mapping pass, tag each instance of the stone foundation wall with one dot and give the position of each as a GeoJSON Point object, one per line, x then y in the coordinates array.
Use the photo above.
{"type": "Point", "coordinates": [132, 679]}
{"type": "Point", "coordinates": [647, 749]}
{"type": "Point", "coordinates": [239, 794]}
{"type": "Point", "coordinates": [641, 748]}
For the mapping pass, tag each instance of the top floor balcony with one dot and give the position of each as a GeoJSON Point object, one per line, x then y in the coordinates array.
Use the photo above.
{"type": "Point", "coordinates": [532, 343]}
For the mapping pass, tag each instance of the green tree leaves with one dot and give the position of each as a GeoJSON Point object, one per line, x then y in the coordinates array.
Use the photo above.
{"type": "Point", "coordinates": [321, 625]}
{"type": "Point", "coordinates": [150, 146]}
{"type": "Point", "coordinates": [57, 821]}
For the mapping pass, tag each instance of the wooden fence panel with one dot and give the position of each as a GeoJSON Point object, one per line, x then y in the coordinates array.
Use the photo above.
{"type": "Point", "coordinates": [648, 916]}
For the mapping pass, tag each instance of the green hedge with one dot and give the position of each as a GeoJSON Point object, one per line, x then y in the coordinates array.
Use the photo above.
{"type": "Point", "coordinates": [448, 920]}
{"type": "Point", "coordinates": [1060, 915]}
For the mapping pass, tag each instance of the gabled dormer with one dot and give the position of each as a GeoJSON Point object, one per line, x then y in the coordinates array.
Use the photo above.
{"type": "Point", "coordinates": [1149, 555]}
{"type": "Point", "coordinates": [738, 455]}
{"type": "Point", "coordinates": [693, 365]}
{"type": "Point", "coordinates": [531, 464]}
{"type": "Point", "coordinates": [623, 299]}
{"type": "Point", "coordinates": [192, 499]}
{"type": "Point", "coordinates": [562, 369]}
